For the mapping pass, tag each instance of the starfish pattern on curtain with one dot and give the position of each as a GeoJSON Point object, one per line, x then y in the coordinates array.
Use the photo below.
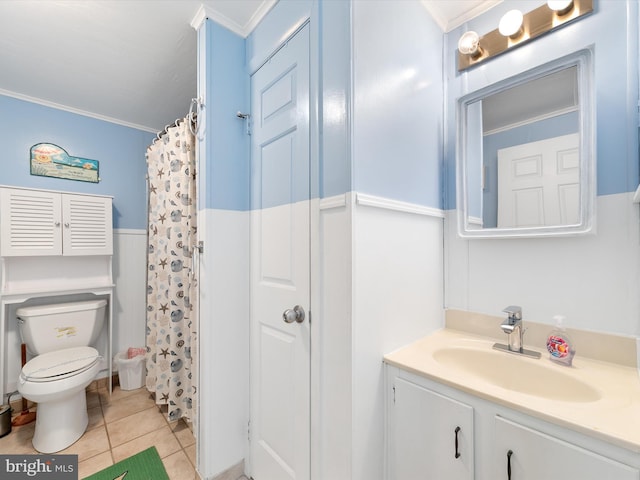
{"type": "Point", "coordinates": [171, 335]}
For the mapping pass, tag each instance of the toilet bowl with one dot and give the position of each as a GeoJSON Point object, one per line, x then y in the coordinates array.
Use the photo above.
{"type": "Point", "coordinates": [64, 365]}
{"type": "Point", "coordinates": [56, 381]}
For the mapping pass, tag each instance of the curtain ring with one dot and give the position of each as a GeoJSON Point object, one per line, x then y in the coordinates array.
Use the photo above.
{"type": "Point", "coordinates": [194, 115]}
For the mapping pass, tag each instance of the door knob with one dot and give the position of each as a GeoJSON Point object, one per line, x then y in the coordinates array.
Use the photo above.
{"type": "Point", "coordinates": [293, 315]}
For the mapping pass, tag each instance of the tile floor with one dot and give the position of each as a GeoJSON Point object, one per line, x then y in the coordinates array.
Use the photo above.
{"type": "Point", "coordinates": [119, 427]}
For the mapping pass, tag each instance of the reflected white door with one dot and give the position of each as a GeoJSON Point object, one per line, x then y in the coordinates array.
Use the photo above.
{"type": "Point", "coordinates": [280, 350]}
{"type": "Point", "coordinates": [539, 183]}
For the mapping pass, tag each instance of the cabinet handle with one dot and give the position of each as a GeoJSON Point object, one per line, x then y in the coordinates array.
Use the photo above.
{"type": "Point", "coordinates": [66, 225]}
{"type": "Point", "coordinates": [457, 430]}
{"type": "Point", "coordinates": [509, 453]}
{"type": "Point", "coordinates": [57, 224]}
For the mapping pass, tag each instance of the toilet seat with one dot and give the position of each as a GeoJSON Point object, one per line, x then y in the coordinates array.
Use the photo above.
{"type": "Point", "coordinates": [59, 364]}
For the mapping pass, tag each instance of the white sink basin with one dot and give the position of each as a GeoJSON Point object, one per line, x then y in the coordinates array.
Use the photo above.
{"type": "Point", "coordinates": [536, 377]}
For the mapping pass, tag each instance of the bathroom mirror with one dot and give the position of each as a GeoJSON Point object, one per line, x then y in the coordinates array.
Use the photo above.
{"type": "Point", "coordinates": [526, 153]}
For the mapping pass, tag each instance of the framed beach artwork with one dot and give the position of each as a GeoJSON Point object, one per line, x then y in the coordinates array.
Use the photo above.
{"type": "Point", "coordinates": [49, 160]}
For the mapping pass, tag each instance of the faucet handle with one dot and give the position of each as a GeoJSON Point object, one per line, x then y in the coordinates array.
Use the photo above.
{"type": "Point", "coordinates": [514, 312]}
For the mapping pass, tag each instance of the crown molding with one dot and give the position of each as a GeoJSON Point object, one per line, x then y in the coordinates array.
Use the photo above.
{"type": "Point", "coordinates": [206, 11]}
{"type": "Point", "coordinates": [199, 17]}
{"type": "Point", "coordinates": [447, 24]}
{"type": "Point", "coordinates": [77, 111]}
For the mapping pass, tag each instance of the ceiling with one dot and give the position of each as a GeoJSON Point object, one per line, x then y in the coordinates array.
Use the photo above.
{"type": "Point", "coordinates": [134, 61]}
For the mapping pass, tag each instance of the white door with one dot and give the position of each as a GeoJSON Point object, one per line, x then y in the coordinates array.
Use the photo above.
{"type": "Point", "coordinates": [280, 351]}
{"type": "Point", "coordinates": [539, 183]}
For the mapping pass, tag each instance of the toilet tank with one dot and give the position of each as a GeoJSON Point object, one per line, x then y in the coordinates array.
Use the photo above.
{"type": "Point", "coordinates": [45, 328]}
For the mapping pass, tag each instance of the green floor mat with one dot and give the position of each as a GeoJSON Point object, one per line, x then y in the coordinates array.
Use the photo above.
{"type": "Point", "coordinates": [145, 465]}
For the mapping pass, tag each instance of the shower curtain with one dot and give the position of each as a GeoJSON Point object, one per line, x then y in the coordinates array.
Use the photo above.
{"type": "Point", "coordinates": [171, 280]}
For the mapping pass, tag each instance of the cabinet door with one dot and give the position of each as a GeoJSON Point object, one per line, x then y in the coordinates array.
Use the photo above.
{"type": "Point", "coordinates": [30, 223]}
{"type": "Point", "coordinates": [87, 225]}
{"type": "Point", "coordinates": [535, 455]}
{"type": "Point", "coordinates": [431, 435]}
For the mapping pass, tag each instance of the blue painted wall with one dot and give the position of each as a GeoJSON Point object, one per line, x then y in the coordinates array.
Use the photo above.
{"type": "Point", "coordinates": [119, 149]}
{"type": "Point", "coordinates": [330, 81]}
{"type": "Point", "coordinates": [398, 102]}
{"type": "Point", "coordinates": [335, 80]}
{"type": "Point", "coordinates": [613, 31]}
{"type": "Point", "coordinates": [224, 143]}
{"type": "Point", "coordinates": [389, 135]}
{"type": "Point", "coordinates": [381, 94]}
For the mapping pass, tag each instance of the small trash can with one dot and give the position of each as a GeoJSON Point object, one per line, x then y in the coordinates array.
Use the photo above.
{"type": "Point", "coordinates": [131, 371]}
{"type": "Point", "coordinates": [5, 420]}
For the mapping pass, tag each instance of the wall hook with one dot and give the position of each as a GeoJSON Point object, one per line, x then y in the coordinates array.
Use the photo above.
{"type": "Point", "coordinates": [247, 117]}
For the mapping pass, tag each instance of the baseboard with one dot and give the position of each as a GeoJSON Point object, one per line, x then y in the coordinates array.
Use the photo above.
{"type": "Point", "coordinates": [103, 382]}
{"type": "Point", "coordinates": [233, 473]}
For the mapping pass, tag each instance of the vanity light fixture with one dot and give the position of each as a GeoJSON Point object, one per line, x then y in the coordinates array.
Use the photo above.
{"type": "Point", "coordinates": [511, 24]}
{"type": "Point", "coordinates": [516, 29]}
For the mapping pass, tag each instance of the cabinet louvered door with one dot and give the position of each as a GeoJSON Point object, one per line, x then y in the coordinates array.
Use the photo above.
{"type": "Point", "coordinates": [30, 223]}
{"type": "Point", "coordinates": [87, 225]}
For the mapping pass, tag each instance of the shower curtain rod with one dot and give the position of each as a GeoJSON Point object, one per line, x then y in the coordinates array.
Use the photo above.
{"type": "Point", "coordinates": [171, 125]}
{"type": "Point", "coordinates": [192, 116]}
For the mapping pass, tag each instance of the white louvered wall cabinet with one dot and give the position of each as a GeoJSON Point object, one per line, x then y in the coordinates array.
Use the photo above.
{"type": "Point", "coordinates": [39, 222]}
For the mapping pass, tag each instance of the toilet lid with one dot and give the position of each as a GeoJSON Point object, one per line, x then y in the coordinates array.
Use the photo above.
{"type": "Point", "coordinates": [59, 364]}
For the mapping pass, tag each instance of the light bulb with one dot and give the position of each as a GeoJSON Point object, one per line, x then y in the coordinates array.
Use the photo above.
{"type": "Point", "coordinates": [561, 7]}
{"type": "Point", "coordinates": [469, 43]}
{"type": "Point", "coordinates": [511, 24]}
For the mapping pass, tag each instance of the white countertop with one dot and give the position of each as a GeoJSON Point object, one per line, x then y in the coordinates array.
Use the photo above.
{"type": "Point", "coordinates": [614, 417]}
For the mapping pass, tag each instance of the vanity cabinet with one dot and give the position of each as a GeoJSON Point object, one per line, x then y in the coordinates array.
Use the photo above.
{"type": "Point", "coordinates": [523, 453]}
{"type": "Point", "coordinates": [494, 442]}
{"type": "Point", "coordinates": [431, 434]}
{"type": "Point", "coordinates": [38, 222]}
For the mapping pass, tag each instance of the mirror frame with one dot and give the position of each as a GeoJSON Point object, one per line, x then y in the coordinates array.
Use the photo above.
{"type": "Point", "coordinates": [583, 61]}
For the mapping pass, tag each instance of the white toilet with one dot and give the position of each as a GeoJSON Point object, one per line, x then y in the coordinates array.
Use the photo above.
{"type": "Point", "coordinates": [60, 335]}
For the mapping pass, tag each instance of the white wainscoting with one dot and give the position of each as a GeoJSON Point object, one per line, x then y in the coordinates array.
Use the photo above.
{"type": "Point", "coordinates": [331, 341]}
{"type": "Point", "coordinates": [130, 278]}
{"type": "Point", "coordinates": [224, 341]}
{"type": "Point", "coordinates": [397, 298]}
{"type": "Point", "coordinates": [376, 285]}
{"type": "Point", "coordinates": [379, 287]}
{"type": "Point", "coordinates": [593, 280]}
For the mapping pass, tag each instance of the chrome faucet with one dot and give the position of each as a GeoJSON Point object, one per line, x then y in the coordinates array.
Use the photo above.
{"type": "Point", "coordinates": [512, 326]}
